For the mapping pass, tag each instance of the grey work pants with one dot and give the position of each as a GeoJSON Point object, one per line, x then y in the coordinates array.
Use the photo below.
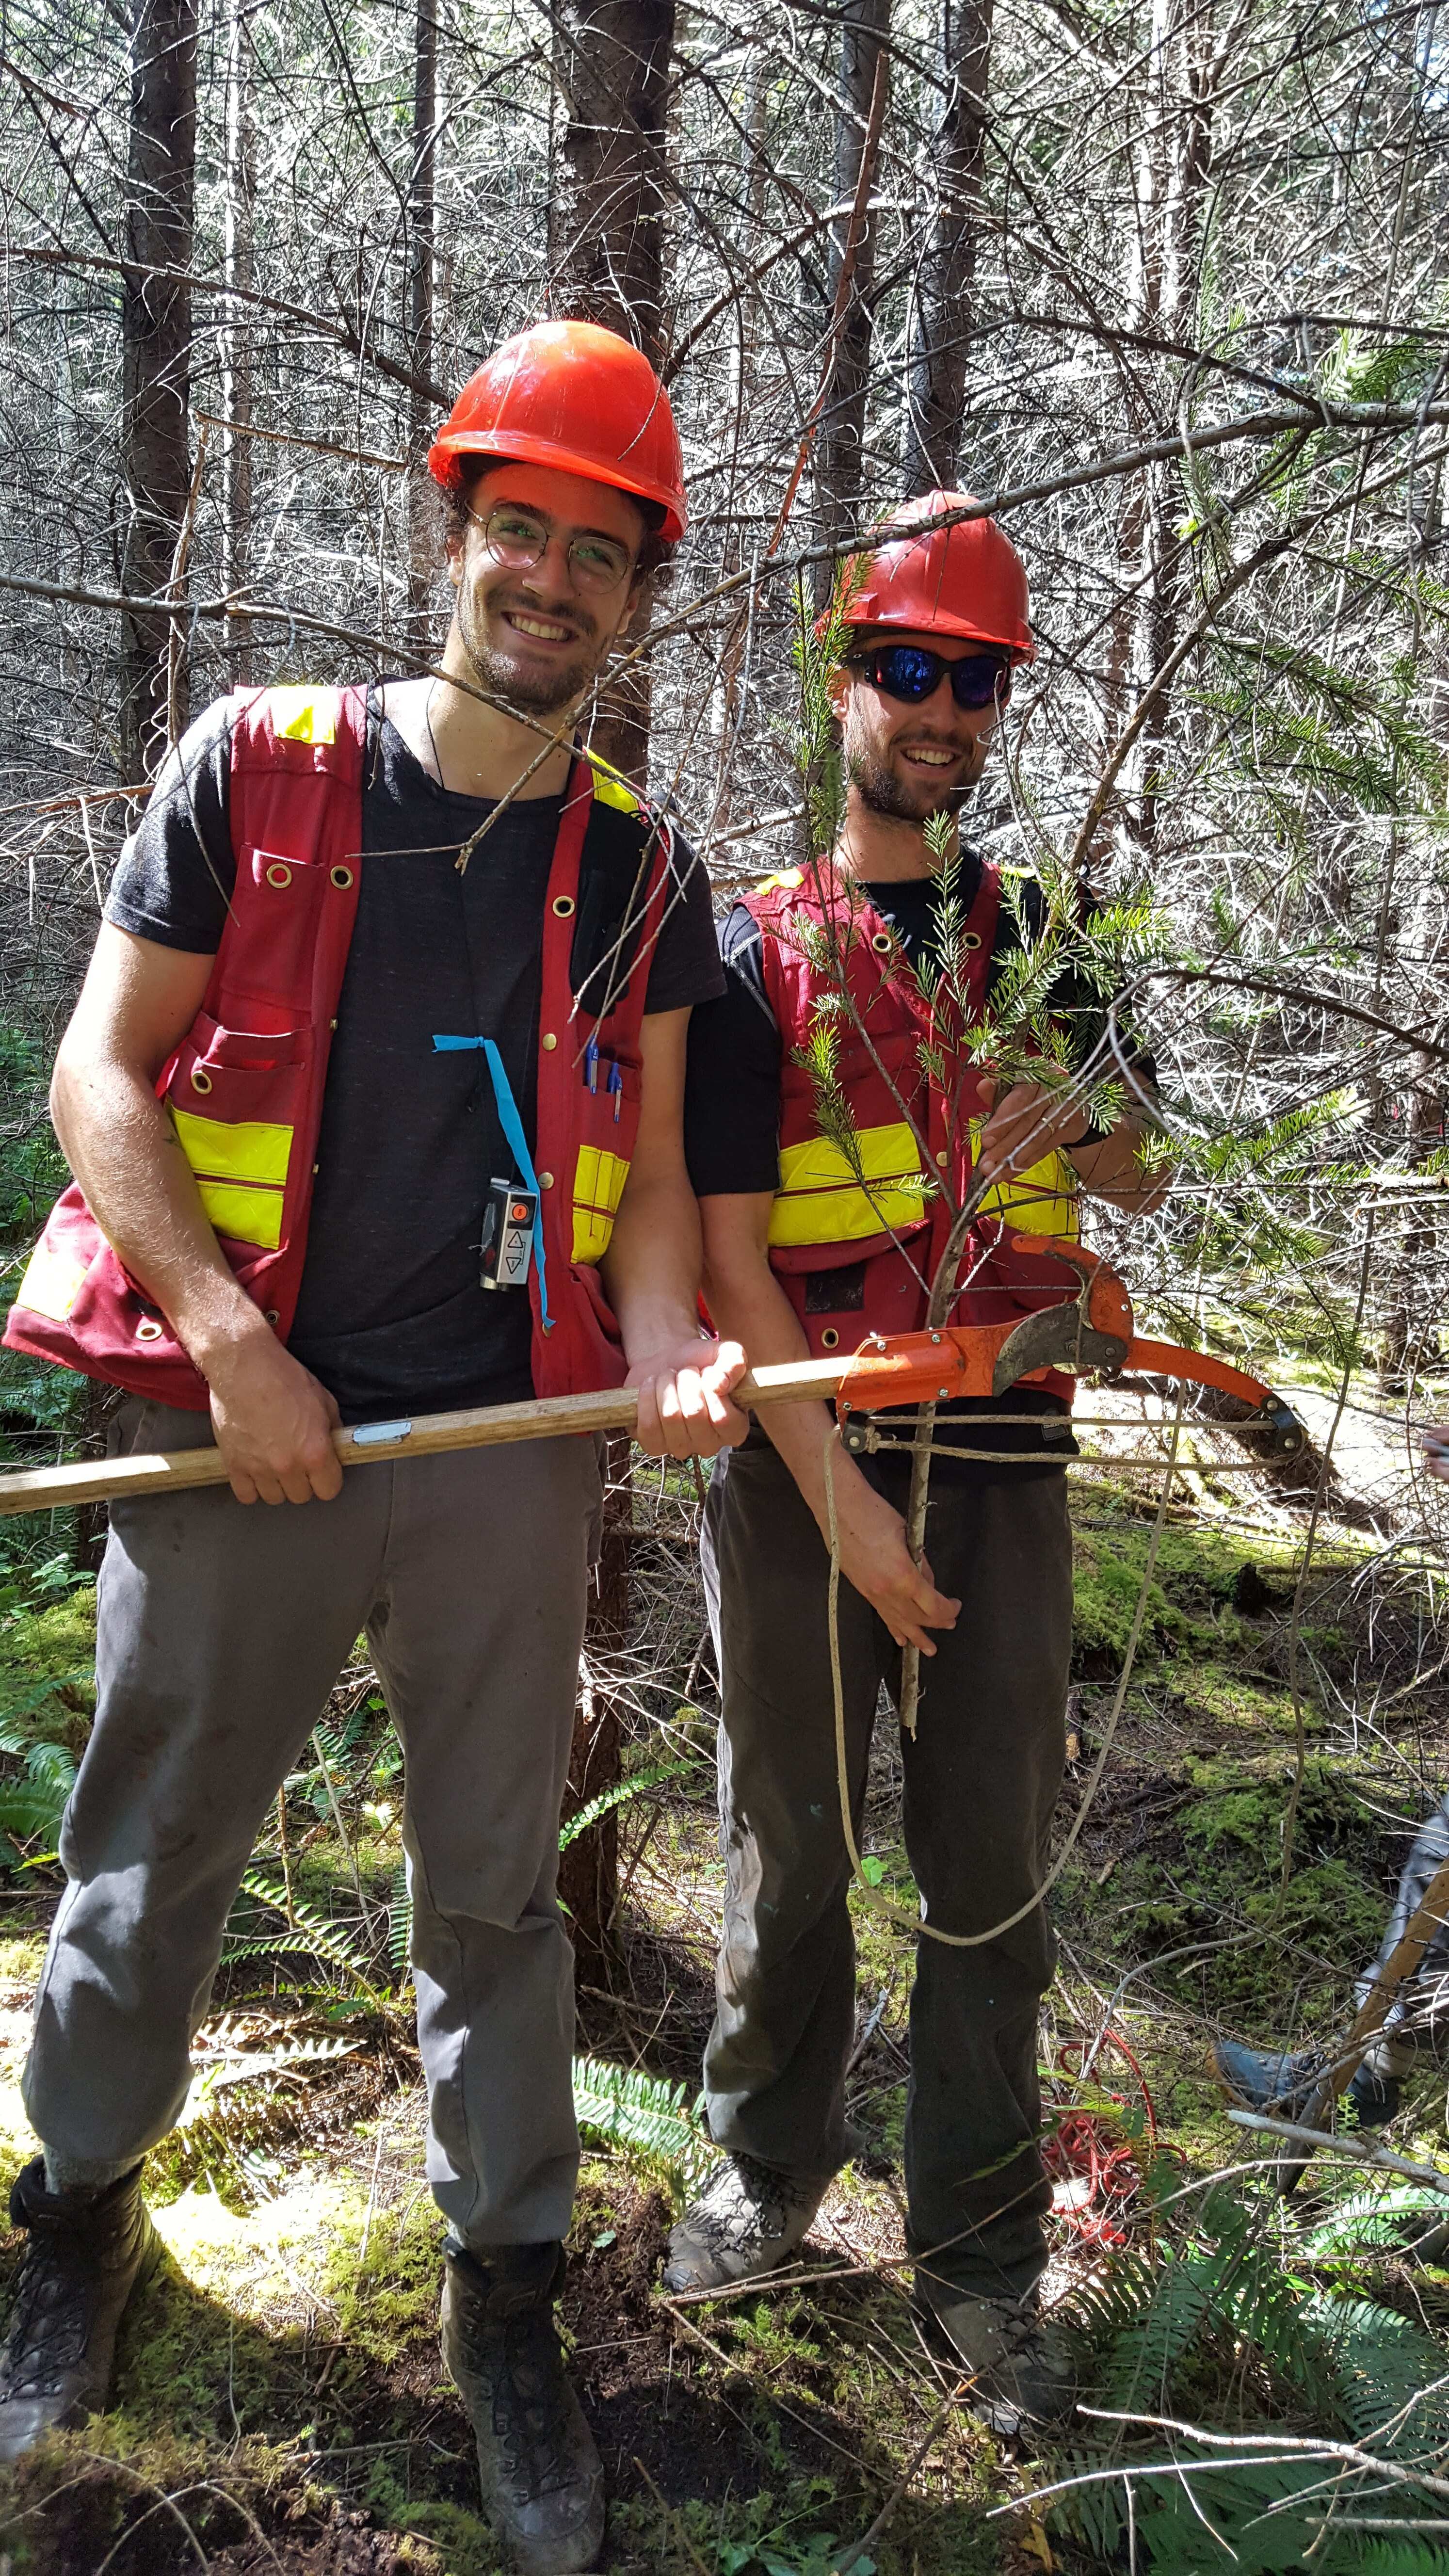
{"type": "Point", "coordinates": [221, 1630]}
{"type": "Point", "coordinates": [981, 1781]}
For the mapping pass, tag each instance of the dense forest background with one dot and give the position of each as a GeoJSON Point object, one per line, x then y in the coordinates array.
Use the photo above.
{"type": "Point", "coordinates": [1168, 283]}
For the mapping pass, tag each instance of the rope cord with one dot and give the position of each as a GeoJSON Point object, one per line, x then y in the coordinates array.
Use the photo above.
{"type": "Point", "coordinates": [883, 1904]}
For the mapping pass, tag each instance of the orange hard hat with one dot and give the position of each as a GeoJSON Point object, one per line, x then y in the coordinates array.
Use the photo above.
{"type": "Point", "coordinates": [571, 395]}
{"type": "Point", "coordinates": [964, 580]}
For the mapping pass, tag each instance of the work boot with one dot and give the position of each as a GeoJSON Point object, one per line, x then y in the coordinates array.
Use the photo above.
{"type": "Point", "coordinates": [749, 2218]}
{"type": "Point", "coordinates": [1025, 2377]}
{"type": "Point", "coordinates": [1374, 2097]}
{"type": "Point", "coordinates": [87, 2251]}
{"type": "Point", "coordinates": [541, 2475]}
{"type": "Point", "coordinates": [1285, 2086]}
{"type": "Point", "coordinates": [1280, 2085]}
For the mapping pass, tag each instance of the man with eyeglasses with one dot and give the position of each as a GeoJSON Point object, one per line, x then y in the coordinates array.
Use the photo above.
{"type": "Point", "coordinates": [849, 985]}
{"type": "Point", "coordinates": [373, 1098]}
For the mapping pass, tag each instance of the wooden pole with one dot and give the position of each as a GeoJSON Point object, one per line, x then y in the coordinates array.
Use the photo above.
{"type": "Point", "coordinates": [41, 1489]}
{"type": "Point", "coordinates": [1402, 1962]}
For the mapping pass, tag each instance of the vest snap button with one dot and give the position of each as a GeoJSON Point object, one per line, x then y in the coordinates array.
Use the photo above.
{"type": "Point", "coordinates": [341, 878]}
{"type": "Point", "coordinates": [563, 905]}
{"type": "Point", "coordinates": [200, 1081]}
{"type": "Point", "coordinates": [942, 1158]}
{"type": "Point", "coordinates": [548, 1041]}
{"type": "Point", "coordinates": [545, 1180]}
{"type": "Point", "coordinates": [277, 875]}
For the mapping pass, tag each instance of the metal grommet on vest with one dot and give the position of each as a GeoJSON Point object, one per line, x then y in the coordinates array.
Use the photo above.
{"type": "Point", "coordinates": [882, 942]}
{"type": "Point", "coordinates": [148, 1330]}
{"type": "Point", "coordinates": [341, 878]}
{"type": "Point", "coordinates": [970, 939]}
{"type": "Point", "coordinates": [563, 905]}
{"type": "Point", "coordinates": [279, 874]}
{"type": "Point", "coordinates": [272, 1317]}
{"type": "Point", "coordinates": [200, 1078]}
{"type": "Point", "coordinates": [830, 1339]}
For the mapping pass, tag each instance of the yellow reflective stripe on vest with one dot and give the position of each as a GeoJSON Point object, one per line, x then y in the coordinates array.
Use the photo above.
{"type": "Point", "coordinates": [241, 1172]}
{"type": "Point", "coordinates": [247, 1149]}
{"type": "Point", "coordinates": [303, 715]}
{"type": "Point", "coordinates": [1040, 1200]}
{"type": "Point", "coordinates": [248, 1216]}
{"type": "Point", "coordinates": [52, 1282]}
{"type": "Point", "coordinates": [599, 1179]}
{"type": "Point", "coordinates": [820, 1198]}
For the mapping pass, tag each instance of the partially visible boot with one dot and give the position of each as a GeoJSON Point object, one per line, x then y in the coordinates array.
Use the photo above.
{"type": "Point", "coordinates": [1279, 2084]}
{"type": "Point", "coordinates": [748, 2219]}
{"type": "Point", "coordinates": [87, 2251]}
{"type": "Point", "coordinates": [1024, 2375]}
{"type": "Point", "coordinates": [541, 2475]}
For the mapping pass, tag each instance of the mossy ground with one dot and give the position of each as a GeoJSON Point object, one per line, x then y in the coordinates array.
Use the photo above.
{"type": "Point", "coordinates": [280, 2378]}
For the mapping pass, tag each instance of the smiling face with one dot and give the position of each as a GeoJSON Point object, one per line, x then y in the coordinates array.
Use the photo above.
{"type": "Point", "coordinates": [528, 632]}
{"type": "Point", "coordinates": [910, 762]}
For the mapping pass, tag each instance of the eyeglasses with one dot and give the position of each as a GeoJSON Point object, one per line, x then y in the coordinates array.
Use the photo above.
{"type": "Point", "coordinates": [516, 538]}
{"type": "Point", "coordinates": [911, 673]}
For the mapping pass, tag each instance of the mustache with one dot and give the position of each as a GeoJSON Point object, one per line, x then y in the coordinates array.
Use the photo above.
{"type": "Point", "coordinates": [499, 598]}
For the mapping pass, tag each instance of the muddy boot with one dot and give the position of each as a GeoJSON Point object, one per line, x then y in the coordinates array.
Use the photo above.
{"type": "Point", "coordinates": [1281, 2085]}
{"type": "Point", "coordinates": [542, 2478]}
{"type": "Point", "coordinates": [1025, 2378]}
{"type": "Point", "coordinates": [87, 2251]}
{"type": "Point", "coordinates": [748, 2219]}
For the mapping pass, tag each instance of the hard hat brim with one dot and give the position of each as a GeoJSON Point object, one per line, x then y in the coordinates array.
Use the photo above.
{"type": "Point", "coordinates": [518, 447]}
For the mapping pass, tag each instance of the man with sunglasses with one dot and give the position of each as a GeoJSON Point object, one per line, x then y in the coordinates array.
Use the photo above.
{"type": "Point", "coordinates": [373, 1097]}
{"type": "Point", "coordinates": [854, 980]}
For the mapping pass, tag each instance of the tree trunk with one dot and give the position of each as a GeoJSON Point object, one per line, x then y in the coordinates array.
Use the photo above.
{"type": "Point", "coordinates": [422, 200]}
{"type": "Point", "coordinates": [236, 346]}
{"type": "Point", "coordinates": [840, 446]}
{"type": "Point", "coordinates": [156, 334]}
{"type": "Point", "coordinates": [606, 255]}
{"type": "Point", "coordinates": [944, 310]}
{"type": "Point", "coordinates": [589, 1869]}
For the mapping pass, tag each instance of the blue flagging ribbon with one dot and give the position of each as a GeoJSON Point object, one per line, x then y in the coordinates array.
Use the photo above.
{"type": "Point", "coordinates": [517, 1143]}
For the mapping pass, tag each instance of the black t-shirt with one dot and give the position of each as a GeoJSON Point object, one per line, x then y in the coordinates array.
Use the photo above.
{"type": "Point", "coordinates": [732, 1112]}
{"type": "Point", "coordinates": [391, 1315]}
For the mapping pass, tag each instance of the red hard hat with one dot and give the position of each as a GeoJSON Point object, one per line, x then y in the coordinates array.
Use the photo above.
{"type": "Point", "coordinates": [964, 580]}
{"type": "Point", "coordinates": [571, 395]}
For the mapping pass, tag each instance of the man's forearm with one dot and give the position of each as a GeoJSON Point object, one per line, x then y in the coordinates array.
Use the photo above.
{"type": "Point", "coordinates": [651, 1270]}
{"type": "Point", "coordinates": [752, 1308]}
{"type": "Point", "coordinates": [124, 1151]}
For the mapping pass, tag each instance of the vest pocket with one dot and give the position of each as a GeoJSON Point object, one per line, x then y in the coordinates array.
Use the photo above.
{"type": "Point", "coordinates": [608, 1125]}
{"type": "Point", "coordinates": [286, 901]}
{"type": "Point", "coordinates": [234, 1095]}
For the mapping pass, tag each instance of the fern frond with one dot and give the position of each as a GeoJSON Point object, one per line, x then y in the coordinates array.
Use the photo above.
{"type": "Point", "coordinates": [618, 1796]}
{"type": "Point", "coordinates": [400, 1927]}
{"type": "Point", "coordinates": [645, 2120]}
{"type": "Point", "coordinates": [326, 1938]}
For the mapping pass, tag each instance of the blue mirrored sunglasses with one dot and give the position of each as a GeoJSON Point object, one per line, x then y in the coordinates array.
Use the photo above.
{"type": "Point", "coordinates": [911, 673]}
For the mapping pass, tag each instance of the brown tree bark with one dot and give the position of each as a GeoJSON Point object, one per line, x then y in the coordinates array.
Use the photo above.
{"type": "Point", "coordinates": [236, 349]}
{"type": "Point", "coordinates": [606, 254]}
{"type": "Point", "coordinates": [156, 337]}
{"type": "Point", "coordinates": [589, 1869]}
{"type": "Point", "coordinates": [840, 446]}
{"type": "Point", "coordinates": [422, 224]}
{"type": "Point", "coordinates": [944, 310]}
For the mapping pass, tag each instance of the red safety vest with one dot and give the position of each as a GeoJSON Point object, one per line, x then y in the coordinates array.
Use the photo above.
{"type": "Point", "coordinates": [855, 1238]}
{"type": "Point", "coordinates": [245, 1086]}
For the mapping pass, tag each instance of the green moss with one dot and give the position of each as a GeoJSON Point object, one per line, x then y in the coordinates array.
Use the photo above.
{"type": "Point", "coordinates": [56, 1644]}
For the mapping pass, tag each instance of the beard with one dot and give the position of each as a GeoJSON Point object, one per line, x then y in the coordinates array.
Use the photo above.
{"type": "Point", "coordinates": [535, 693]}
{"type": "Point", "coordinates": [881, 792]}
